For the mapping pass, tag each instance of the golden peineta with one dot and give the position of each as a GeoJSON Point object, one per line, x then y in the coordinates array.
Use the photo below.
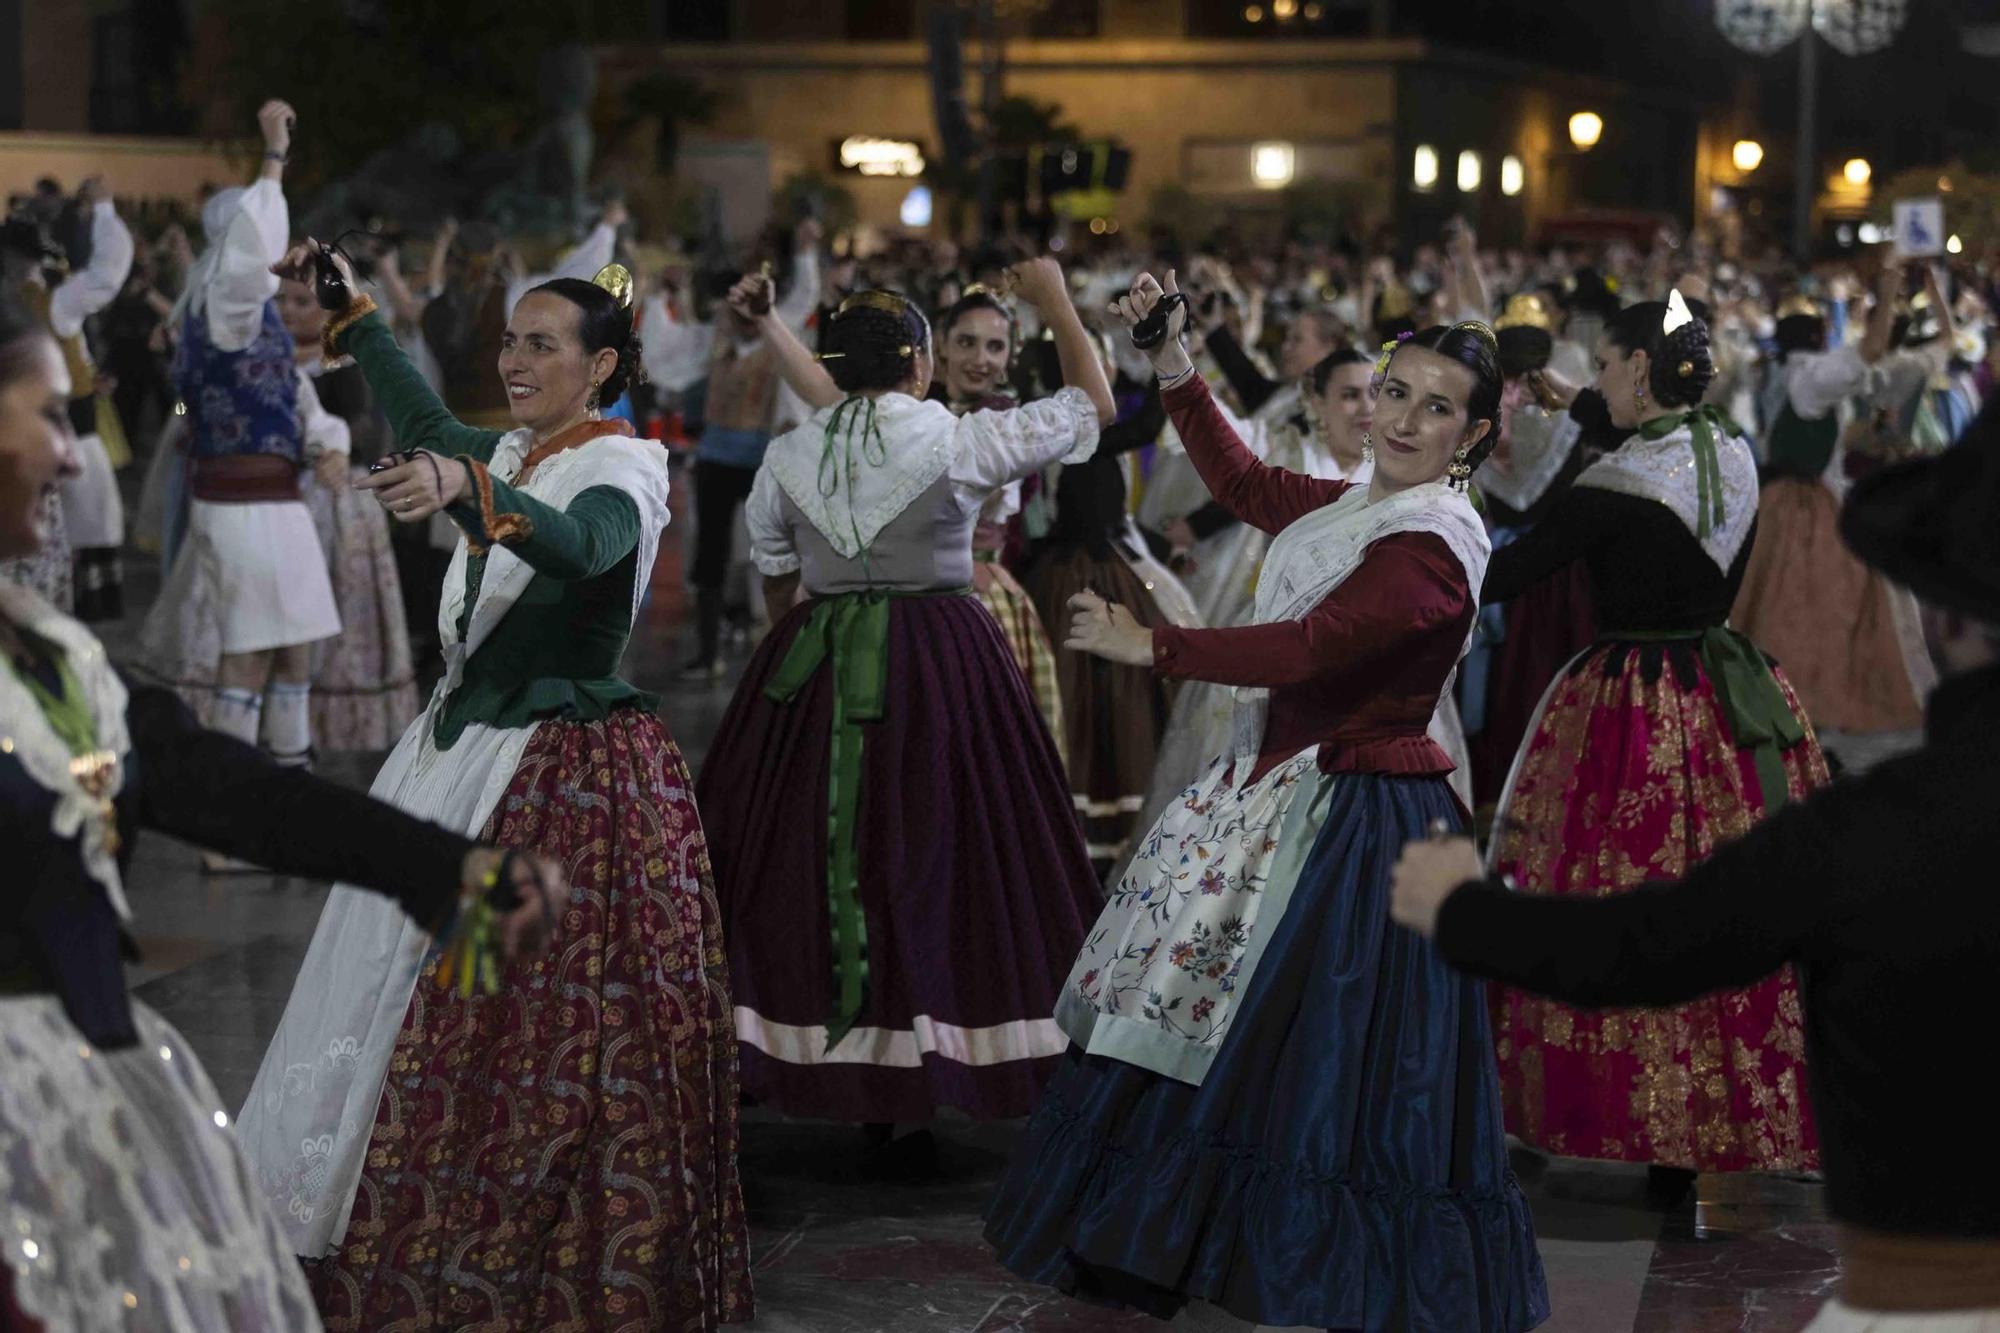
{"type": "Point", "coordinates": [616, 279]}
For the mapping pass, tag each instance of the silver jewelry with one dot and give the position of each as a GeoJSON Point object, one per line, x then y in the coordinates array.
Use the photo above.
{"type": "Point", "coordinates": [1367, 446]}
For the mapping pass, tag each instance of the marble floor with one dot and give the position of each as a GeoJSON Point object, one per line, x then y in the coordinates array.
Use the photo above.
{"type": "Point", "coordinates": [840, 1253]}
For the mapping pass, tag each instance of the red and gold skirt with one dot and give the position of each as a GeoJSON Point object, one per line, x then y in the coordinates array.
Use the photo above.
{"type": "Point", "coordinates": [562, 1155]}
{"type": "Point", "coordinates": [1631, 774]}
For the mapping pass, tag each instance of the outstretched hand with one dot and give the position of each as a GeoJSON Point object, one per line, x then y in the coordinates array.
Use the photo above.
{"type": "Point", "coordinates": [1106, 629]}
{"type": "Point", "coordinates": [298, 264]}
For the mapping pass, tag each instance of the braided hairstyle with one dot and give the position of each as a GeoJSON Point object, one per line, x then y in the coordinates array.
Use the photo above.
{"type": "Point", "coordinates": [872, 341]}
{"type": "Point", "coordinates": [1473, 345]}
{"type": "Point", "coordinates": [602, 322]}
{"type": "Point", "coordinates": [1680, 365]}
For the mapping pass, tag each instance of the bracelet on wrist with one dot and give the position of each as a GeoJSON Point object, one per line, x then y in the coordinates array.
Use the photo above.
{"type": "Point", "coordinates": [1175, 380]}
{"type": "Point", "coordinates": [272, 155]}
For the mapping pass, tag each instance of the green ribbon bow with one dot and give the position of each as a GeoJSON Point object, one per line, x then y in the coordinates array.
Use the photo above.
{"type": "Point", "coordinates": [1703, 423]}
{"type": "Point", "coordinates": [853, 629]}
{"type": "Point", "coordinates": [1754, 706]}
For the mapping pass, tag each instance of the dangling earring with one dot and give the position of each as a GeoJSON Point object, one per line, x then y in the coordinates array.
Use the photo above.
{"type": "Point", "coordinates": [1639, 395]}
{"type": "Point", "coordinates": [590, 403]}
{"type": "Point", "coordinates": [1367, 447]}
{"type": "Point", "coordinates": [1459, 473]}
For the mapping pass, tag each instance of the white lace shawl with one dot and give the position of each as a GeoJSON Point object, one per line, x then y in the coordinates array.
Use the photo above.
{"type": "Point", "coordinates": [1538, 444]}
{"type": "Point", "coordinates": [1315, 554]}
{"type": "Point", "coordinates": [923, 441]}
{"type": "Point", "coordinates": [1663, 470]}
{"type": "Point", "coordinates": [635, 466]}
{"type": "Point", "coordinates": [27, 735]}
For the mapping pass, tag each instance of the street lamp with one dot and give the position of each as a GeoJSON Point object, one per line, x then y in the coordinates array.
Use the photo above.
{"type": "Point", "coordinates": [1424, 167]}
{"type": "Point", "coordinates": [1851, 27]}
{"type": "Point", "coordinates": [1585, 129]}
{"type": "Point", "coordinates": [1747, 155]}
{"type": "Point", "coordinates": [1857, 171]}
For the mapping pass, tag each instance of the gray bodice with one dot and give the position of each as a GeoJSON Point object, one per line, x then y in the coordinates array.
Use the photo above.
{"type": "Point", "coordinates": [926, 548]}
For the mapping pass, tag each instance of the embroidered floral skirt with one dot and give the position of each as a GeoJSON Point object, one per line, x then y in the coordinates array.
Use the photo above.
{"type": "Point", "coordinates": [1846, 638]}
{"type": "Point", "coordinates": [972, 880]}
{"type": "Point", "coordinates": [364, 685]}
{"type": "Point", "coordinates": [1631, 775]}
{"type": "Point", "coordinates": [561, 1156]}
{"type": "Point", "coordinates": [124, 1203]}
{"type": "Point", "coordinates": [1116, 714]}
{"type": "Point", "coordinates": [1342, 1163]}
{"type": "Point", "coordinates": [1028, 638]}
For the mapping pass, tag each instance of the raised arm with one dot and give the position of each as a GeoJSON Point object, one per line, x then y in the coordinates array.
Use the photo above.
{"type": "Point", "coordinates": [751, 298]}
{"type": "Point", "coordinates": [1581, 521]}
{"type": "Point", "coordinates": [255, 237]}
{"type": "Point", "coordinates": [417, 416]}
{"type": "Point", "coordinates": [595, 531]}
{"type": "Point", "coordinates": [802, 297]}
{"type": "Point", "coordinates": [1266, 497]}
{"type": "Point", "coordinates": [581, 263]}
{"type": "Point", "coordinates": [1041, 283]}
{"type": "Point", "coordinates": [675, 351]}
{"type": "Point", "coordinates": [83, 294]}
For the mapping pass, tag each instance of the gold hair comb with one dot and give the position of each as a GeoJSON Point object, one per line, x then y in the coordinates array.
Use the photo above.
{"type": "Point", "coordinates": [874, 299]}
{"type": "Point", "coordinates": [616, 279]}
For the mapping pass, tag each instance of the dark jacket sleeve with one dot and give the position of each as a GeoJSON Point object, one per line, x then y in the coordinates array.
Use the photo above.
{"type": "Point", "coordinates": [1754, 906]}
{"type": "Point", "coordinates": [1252, 387]}
{"type": "Point", "coordinates": [1582, 520]}
{"type": "Point", "coordinates": [221, 794]}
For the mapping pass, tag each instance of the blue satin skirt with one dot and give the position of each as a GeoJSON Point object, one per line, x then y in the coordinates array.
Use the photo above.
{"type": "Point", "coordinates": [1342, 1165]}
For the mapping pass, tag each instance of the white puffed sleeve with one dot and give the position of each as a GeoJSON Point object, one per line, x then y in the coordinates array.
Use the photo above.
{"type": "Point", "coordinates": [772, 549]}
{"type": "Point", "coordinates": [997, 447]}
{"type": "Point", "coordinates": [83, 294]}
{"type": "Point", "coordinates": [675, 352]}
{"type": "Point", "coordinates": [254, 240]}
{"type": "Point", "coordinates": [1818, 381]}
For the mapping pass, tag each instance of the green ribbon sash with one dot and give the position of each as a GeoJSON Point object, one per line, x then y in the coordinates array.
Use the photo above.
{"type": "Point", "coordinates": [1703, 423]}
{"type": "Point", "coordinates": [1754, 707]}
{"type": "Point", "coordinates": [852, 630]}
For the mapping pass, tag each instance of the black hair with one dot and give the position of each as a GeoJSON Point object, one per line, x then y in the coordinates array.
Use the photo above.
{"type": "Point", "coordinates": [1322, 372]}
{"type": "Point", "coordinates": [1473, 346]}
{"type": "Point", "coordinates": [1322, 318]}
{"type": "Point", "coordinates": [18, 330]}
{"type": "Point", "coordinates": [1681, 367]}
{"type": "Point", "coordinates": [980, 300]}
{"type": "Point", "coordinates": [1800, 333]}
{"type": "Point", "coordinates": [1591, 293]}
{"type": "Point", "coordinates": [22, 234]}
{"type": "Point", "coordinates": [872, 341]}
{"type": "Point", "coordinates": [601, 323]}
{"type": "Point", "coordinates": [1524, 348]}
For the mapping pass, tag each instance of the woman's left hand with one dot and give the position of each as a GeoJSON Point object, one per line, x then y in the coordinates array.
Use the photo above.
{"type": "Point", "coordinates": [1108, 631]}
{"type": "Point", "coordinates": [1430, 871]}
{"type": "Point", "coordinates": [415, 489]}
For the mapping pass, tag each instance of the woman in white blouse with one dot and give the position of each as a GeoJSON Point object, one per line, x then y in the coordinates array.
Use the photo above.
{"type": "Point", "coordinates": [903, 876]}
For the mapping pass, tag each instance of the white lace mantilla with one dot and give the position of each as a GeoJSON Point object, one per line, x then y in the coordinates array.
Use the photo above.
{"type": "Point", "coordinates": [1663, 470]}
{"type": "Point", "coordinates": [1315, 554]}
{"type": "Point", "coordinates": [1538, 444]}
{"type": "Point", "coordinates": [27, 735]}
{"type": "Point", "coordinates": [922, 441]}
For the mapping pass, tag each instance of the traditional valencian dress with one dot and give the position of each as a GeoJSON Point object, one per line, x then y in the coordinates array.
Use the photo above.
{"type": "Point", "coordinates": [124, 1199]}
{"type": "Point", "coordinates": [902, 875]}
{"type": "Point", "coordinates": [1275, 1100]}
{"type": "Point", "coordinates": [506, 1159]}
{"type": "Point", "coordinates": [1670, 736]}
{"type": "Point", "coordinates": [1116, 714]}
{"type": "Point", "coordinates": [1850, 641]}
{"type": "Point", "coordinates": [249, 575]}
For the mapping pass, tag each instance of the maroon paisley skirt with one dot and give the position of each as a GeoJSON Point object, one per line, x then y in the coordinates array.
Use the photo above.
{"type": "Point", "coordinates": [562, 1155]}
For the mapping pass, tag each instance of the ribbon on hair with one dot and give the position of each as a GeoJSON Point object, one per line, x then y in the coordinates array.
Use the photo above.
{"type": "Point", "coordinates": [1702, 423]}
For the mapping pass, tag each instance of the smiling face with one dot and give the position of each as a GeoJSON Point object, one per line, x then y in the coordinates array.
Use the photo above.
{"type": "Point", "coordinates": [1621, 376]}
{"type": "Point", "coordinates": [37, 449]}
{"type": "Point", "coordinates": [544, 365]}
{"type": "Point", "coordinates": [303, 316]}
{"type": "Point", "coordinates": [975, 354]}
{"type": "Point", "coordinates": [1422, 418]}
{"type": "Point", "coordinates": [1348, 409]}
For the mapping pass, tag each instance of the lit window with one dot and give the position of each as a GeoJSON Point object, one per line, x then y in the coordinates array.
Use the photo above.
{"type": "Point", "coordinates": [1468, 172]}
{"type": "Point", "coordinates": [1424, 169]}
{"type": "Point", "coordinates": [1513, 177]}
{"type": "Point", "coordinates": [1272, 164]}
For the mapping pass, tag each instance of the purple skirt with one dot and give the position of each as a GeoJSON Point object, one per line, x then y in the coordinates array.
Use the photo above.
{"type": "Point", "coordinates": [974, 884]}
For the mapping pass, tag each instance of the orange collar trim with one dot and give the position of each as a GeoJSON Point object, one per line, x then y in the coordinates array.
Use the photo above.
{"type": "Point", "coordinates": [583, 432]}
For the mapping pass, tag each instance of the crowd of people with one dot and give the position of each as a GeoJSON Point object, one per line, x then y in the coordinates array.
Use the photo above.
{"type": "Point", "coordinates": [1135, 656]}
